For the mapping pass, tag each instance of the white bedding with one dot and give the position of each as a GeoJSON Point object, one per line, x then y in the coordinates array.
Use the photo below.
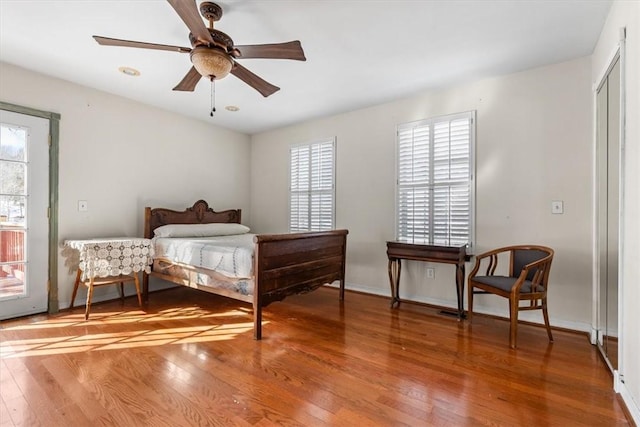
{"type": "Point", "coordinates": [228, 255]}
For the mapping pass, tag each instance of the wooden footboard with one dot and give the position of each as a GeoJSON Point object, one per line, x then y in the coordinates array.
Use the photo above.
{"type": "Point", "coordinates": [284, 264]}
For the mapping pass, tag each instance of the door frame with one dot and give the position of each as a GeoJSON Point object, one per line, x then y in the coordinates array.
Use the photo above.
{"type": "Point", "coordinates": [54, 154]}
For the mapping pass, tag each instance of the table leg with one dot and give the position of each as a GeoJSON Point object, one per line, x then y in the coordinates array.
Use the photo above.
{"type": "Point", "coordinates": [121, 290]}
{"type": "Point", "coordinates": [394, 281]}
{"type": "Point", "coordinates": [145, 286]}
{"type": "Point", "coordinates": [75, 287]}
{"type": "Point", "coordinates": [460, 273]}
{"type": "Point", "coordinates": [137, 283]}
{"type": "Point", "coordinates": [89, 295]}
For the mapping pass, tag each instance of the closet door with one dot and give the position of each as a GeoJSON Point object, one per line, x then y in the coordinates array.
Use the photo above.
{"type": "Point", "coordinates": [608, 197]}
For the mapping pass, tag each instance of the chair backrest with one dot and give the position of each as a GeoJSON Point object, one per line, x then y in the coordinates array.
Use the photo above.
{"type": "Point", "coordinates": [524, 256]}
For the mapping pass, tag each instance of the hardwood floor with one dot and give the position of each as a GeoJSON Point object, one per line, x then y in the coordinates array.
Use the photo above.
{"type": "Point", "coordinates": [189, 359]}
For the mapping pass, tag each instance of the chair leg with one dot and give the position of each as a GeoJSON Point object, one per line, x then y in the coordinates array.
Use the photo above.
{"type": "Point", "coordinates": [470, 302]}
{"type": "Point", "coordinates": [513, 316]}
{"type": "Point", "coordinates": [545, 314]}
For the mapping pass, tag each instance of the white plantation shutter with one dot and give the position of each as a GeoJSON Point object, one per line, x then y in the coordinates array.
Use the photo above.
{"type": "Point", "coordinates": [312, 189]}
{"type": "Point", "coordinates": [434, 179]}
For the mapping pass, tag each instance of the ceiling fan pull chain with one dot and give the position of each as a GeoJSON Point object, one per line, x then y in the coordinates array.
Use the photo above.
{"type": "Point", "coordinates": [213, 96]}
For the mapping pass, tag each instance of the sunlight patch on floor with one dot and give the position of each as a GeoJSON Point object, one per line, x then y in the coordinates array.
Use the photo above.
{"type": "Point", "coordinates": [126, 339]}
{"type": "Point", "coordinates": [132, 316]}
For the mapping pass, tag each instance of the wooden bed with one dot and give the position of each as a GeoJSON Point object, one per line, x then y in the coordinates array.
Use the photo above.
{"type": "Point", "coordinates": [283, 264]}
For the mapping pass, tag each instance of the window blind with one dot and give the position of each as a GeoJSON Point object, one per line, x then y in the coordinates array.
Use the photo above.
{"type": "Point", "coordinates": [434, 181]}
{"type": "Point", "coordinates": [312, 189]}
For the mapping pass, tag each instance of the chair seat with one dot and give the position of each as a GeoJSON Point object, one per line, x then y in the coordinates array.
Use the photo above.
{"type": "Point", "coordinates": [504, 283]}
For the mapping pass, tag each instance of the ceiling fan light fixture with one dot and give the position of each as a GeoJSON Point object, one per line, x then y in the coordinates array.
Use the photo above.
{"type": "Point", "coordinates": [211, 62]}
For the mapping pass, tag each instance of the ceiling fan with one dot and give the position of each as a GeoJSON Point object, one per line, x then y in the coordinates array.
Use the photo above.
{"type": "Point", "coordinates": [212, 52]}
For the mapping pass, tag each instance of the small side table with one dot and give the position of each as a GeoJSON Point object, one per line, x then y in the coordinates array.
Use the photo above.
{"type": "Point", "coordinates": [457, 255]}
{"type": "Point", "coordinates": [109, 261]}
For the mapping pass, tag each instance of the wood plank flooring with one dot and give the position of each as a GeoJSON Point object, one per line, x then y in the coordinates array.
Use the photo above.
{"type": "Point", "coordinates": [189, 359]}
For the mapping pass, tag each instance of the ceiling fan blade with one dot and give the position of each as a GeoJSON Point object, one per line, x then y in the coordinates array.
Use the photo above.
{"type": "Point", "coordinates": [262, 86]}
{"type": "Point", "coordinates": [189, 82]}
{"type": "Point", "coordinates": [188, 12]}
{"type": "Point", "coordinates": [288, 50]}
{"type": "Point", "coordinates": [106, 41]}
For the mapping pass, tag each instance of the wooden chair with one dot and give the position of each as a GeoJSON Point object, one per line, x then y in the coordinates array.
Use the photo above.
{"type": "Point", "coordinates": [528, 280]}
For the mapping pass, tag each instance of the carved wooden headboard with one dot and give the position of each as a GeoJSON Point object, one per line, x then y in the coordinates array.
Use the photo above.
{"type": "Point", "coordinates": [199, 213]}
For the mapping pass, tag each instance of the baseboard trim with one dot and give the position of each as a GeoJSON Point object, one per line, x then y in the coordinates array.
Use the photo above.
{"type": "Point", "coordinates": [526, 318]}
{"type": "Point", "coordinates": [632, 408]}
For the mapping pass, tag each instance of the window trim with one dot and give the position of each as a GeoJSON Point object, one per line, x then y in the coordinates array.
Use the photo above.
{"type": "Point", "coordinates": [332, 141]}
{"type": "Point", "coordinates": [471, 114]}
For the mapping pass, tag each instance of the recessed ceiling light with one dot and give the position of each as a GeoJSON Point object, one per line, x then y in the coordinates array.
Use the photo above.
{"type": "Point", "coordinates": [232, 108]}
{"type": "Point", "coordinates": [129, 71]}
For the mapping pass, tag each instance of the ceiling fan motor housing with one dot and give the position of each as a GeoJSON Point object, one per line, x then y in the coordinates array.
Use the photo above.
{"type": "Point", "coordinates": [220, 39]}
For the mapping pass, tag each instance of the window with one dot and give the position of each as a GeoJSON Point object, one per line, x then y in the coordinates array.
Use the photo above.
{"type": "Point", "coordinates": [435, 180]}
{"type": "Point", "coordinates": [311, 186]}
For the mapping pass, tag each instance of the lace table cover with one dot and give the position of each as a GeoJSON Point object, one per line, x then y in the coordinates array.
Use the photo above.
{"type": "Point", "coordinates": [109, 256]}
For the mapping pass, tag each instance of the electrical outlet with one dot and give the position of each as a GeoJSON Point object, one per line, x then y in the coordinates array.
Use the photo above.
{"type": "Point", "coordinates": [557, 207]}
{"type": "Point", "coordinates": [83, 206]}
{"type": "Point", "coordinates": [431, 273]}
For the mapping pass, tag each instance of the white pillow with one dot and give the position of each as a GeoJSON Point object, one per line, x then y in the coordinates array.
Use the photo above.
{"type": "Point", "coordinates": [200, 230]}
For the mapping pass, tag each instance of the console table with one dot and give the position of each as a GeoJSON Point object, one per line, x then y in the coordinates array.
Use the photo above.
{"type": "Point", "coordinates": [397, 251]}
{"type": "Point", "coordinates": [108, 261]}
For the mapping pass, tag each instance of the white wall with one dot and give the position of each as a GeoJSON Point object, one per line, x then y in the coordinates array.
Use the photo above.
{"type": "Point", "coordinates": [534, 138]}
{"type": "Point", "coordinates": [120, 156]}
{"type": "Point", "coordinates": [627, 14]}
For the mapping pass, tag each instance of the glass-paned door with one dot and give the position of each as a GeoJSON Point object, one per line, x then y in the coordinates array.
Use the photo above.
{"type": "Point", "coordinates": [24, 190]}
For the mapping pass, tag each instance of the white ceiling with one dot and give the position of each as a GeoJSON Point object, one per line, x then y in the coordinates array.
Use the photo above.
{"type": "Point", "coordinates": [359, 53]}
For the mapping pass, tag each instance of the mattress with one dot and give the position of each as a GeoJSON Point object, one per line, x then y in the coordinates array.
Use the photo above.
{"type": "Point", "coordinates": [231, 256]}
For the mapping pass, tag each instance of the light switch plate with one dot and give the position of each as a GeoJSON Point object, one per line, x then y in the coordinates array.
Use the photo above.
{"type": "Point", "coordinates": [557, 207]}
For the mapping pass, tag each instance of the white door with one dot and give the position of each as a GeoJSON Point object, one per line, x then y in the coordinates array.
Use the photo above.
{"type": "Point", "coordinates": [24, 225]}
